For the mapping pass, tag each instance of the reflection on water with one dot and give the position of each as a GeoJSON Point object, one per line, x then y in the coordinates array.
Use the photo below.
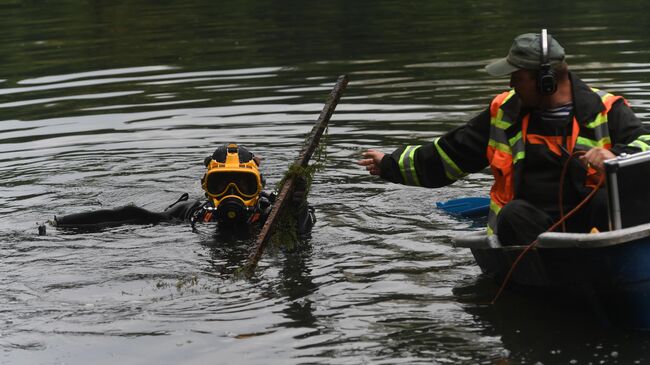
{"type": "Point", "coordinates": [551, 328]}
{"type": "Point", "coordinates": [108, 104]}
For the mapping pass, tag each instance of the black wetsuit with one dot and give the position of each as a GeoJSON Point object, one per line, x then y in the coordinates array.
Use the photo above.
{"type": "Point", "coordinates": [183, 210]}
{"type": "Point", "coordinates": [193, 211]}
{"type": "Point", "coordinates": [129, 214]}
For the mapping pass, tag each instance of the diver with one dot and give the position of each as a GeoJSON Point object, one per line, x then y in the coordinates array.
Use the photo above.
{"type": "Point", "coordinates": [233, 187]}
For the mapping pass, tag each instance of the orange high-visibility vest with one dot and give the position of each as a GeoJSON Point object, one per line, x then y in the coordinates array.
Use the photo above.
{"type": "Point", "coordinates": [504, 153]}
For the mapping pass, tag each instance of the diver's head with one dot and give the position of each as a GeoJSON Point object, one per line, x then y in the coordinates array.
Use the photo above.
{"type": "Point", "coordinates": [233, 183]}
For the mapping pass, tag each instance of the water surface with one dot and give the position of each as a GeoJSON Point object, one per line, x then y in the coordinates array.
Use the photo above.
{"type": "Point", "coordinates": [109, 104]}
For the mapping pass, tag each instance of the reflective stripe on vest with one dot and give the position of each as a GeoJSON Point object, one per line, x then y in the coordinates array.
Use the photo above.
{"type": "Point", "coordinates": [407, 166]}
{"type": "Point", "coordinates": [599, 127]}
{"type": "Point", "coordinates": [601, 131]}
{"type": "Point", "coordinates": [642, 142]}
{"type": "Point", "coordinates": [409, 172]}
{"type": "Point", "coordinates": [500, 150]}
{"type": "Point", "coordinates": [452, 171]}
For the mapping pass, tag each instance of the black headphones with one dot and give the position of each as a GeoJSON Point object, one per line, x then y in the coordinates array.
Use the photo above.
{"type": "Point", "coordinates": [546, 83]}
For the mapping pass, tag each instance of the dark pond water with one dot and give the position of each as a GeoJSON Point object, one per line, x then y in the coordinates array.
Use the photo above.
{"type": "Point", "coordinates": [108, 103]}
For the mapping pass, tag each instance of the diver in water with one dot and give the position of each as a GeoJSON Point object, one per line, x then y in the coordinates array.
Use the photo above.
{"type": "Point", "coordinates": [233, 187]}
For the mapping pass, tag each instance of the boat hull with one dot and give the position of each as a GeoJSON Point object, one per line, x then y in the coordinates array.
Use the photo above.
{"type": "Point", "coordinates": [611, 270]}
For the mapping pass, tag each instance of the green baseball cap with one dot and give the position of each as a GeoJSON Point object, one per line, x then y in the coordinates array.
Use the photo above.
{"type": "Point", "coordinates": [526, 53]}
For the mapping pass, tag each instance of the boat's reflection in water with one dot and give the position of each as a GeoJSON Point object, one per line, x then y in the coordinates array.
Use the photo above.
{"type": "Point", "coordinates": [550, 327]}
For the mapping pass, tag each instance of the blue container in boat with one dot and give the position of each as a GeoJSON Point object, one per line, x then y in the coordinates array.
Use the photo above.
{"type": "Point", "coordinates": [466, 207]}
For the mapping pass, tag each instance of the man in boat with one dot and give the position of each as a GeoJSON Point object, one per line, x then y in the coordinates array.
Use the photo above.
{"type": "Point", "coordinates": [526, 135]}
{"type": "Point", "coordinates": [233, 187]}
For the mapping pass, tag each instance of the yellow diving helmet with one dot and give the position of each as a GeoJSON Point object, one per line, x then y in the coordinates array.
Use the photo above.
{"type": "Point", "coordinates": [232, 182]}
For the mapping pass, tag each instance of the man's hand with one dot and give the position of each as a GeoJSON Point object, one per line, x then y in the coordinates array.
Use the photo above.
{"type": "Point", "coordinates": [595, 158]}
{"type": "Point", "coordinates": [371, 160]}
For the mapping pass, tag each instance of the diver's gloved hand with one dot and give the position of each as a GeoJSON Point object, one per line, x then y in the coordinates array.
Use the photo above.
{"type": "Point", "coordinates": [299, 191]}
{"type": "Point", "coordinates": [263, 203]}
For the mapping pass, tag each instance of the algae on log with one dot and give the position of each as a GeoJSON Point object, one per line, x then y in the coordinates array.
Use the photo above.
{"type": "Point", "coordinates": [286, 235]}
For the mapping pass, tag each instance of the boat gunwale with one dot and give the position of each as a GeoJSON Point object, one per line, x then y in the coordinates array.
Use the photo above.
{"type": "Point", "coordinates": [480, 240]}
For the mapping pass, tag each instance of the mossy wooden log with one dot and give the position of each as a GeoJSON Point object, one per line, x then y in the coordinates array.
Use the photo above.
{"type": "Point", "coordinates": [284, 196]}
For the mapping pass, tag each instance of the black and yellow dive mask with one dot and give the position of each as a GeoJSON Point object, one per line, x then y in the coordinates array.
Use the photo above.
{"type": "Point", "coordinates": [232, 179]}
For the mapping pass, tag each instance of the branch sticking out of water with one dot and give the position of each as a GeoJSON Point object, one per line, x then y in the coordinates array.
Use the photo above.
{"type": "Point", "coordinates": [286, 192]}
